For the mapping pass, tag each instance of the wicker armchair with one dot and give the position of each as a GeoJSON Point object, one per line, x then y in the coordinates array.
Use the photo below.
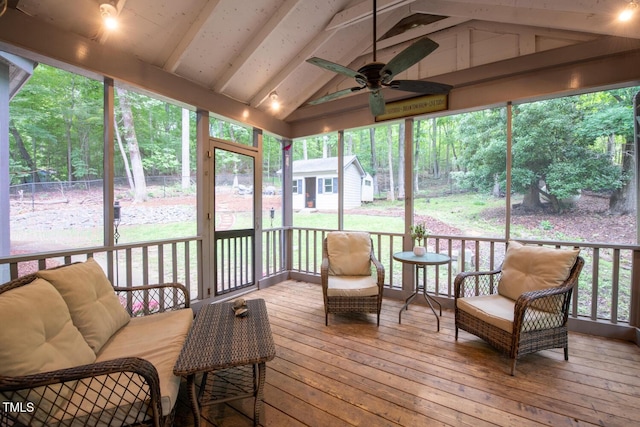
{"type": "Point", "coordinates": [121, 391]}
{"type": "Point", "coordinates": [346, 274]}
{"type": "Point", "coordinates": [539, 317]}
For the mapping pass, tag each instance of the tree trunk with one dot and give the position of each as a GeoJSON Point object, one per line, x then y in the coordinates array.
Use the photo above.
{"type": "Point", "coordinates": [325, 147]}
{"type": "Point", "coordinates": [140, 194]}
{"type": "Point", "coordinates": [545, 192]}
{"type": "Point", "coordinates": [496, 186]}
{"type": "Point", "coordinates": [401, 164]}
{"type": "Point", "coordinates": [623, 200]}
{"type": "Point", "coordinates": [220, 129]}
{"type": "Point", "coordinates": [186, 167]}
{"type": "Point", "coordinates": [611, 144]}
{"type": "Point", "coordinates": [125, 159]}
{"type": "Point", "coordinates": [24, 154]}
{"type": "Point", "coordinates": [374, 160]}
{"type": "Point", "coordinates": [454, 156]}
{"type": "Point", "coordinates": [434, 148]}
{"type": "Point", "coordinates": [391, 195]}
{"type": "Point", "coordinates": [348, 146]}
{"type": "Point", "coordinates": [416, 158]}
{"type": "Point", "coordinates": [531, 199]}
{"type": "Point", "coordinates": [68, 123]}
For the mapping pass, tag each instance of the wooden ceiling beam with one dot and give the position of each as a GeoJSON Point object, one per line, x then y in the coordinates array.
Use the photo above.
{"type": "Point", "coordinates": [532, 15]}
{"type": "Point", "coordinates": [255, 44]}
{"type": "Point", "coordinates": [173, 62]}
{"type": "Point", "coordinates": [421, 31]}
{"type": "Point", "coordinates": [290, 68]}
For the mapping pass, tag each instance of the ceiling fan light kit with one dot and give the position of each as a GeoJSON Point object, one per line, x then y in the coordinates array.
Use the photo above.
{"type": "Point", "coordinates": [376, 75]}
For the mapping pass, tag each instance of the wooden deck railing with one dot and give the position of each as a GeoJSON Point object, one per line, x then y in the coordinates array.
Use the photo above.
{"type": "Point", "coordinates": [604, 293]}
{"type": "Point", "coordinates": [234, 260]}
{"type": "Point", "coordinates": [608, 284]}
{"type": "Point", "coordinates": [152, 262]}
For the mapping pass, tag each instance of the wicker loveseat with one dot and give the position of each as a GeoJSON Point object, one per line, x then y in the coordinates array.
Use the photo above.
{"type": "Point", "coordinates": [523, 306]}
{"type": "Point", "coordinates": [74, 352]}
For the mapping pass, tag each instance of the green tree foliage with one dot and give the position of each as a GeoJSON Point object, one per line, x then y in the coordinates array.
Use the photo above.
{"type": "Point", "coordinates": [483, 149]}
{"type": "Point", "coordinates": [557, 149]}
{"type": "Point", "coordinates": [56, 126]}
{"type": "Point", "coordinates": [159, 134]}
{"type": "Point", "coordinates": [560, 146]}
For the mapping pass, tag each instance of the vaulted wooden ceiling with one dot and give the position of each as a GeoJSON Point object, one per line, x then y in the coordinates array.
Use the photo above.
{"type": "Point", "coordinates": [247, 49]}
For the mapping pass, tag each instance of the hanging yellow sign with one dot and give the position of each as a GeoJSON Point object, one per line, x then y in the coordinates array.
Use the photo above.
{"type": "Point", "coordinates": [414, 107]}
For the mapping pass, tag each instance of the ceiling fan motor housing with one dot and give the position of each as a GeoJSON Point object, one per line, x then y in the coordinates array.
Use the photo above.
{"type": "Point", "coordinates": [371, 72]}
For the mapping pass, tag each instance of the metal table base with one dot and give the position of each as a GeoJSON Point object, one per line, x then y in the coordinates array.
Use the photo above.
{"type": "Point", "coordinates": [421, 263]}
{"type": "Point", "coordinates": [426, 296]}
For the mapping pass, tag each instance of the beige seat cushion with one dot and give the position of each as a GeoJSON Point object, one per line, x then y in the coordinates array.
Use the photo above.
{"type": "Point", "coordinates": [534, 268]}
{"type": "Point", "coordinates": [157, 338]}
{"type": "Point", "coordinates": [349, 253]}
{"type": "Point", "coordinates": [37, 335]}
{"type": "Point", "coordinates": [94, 307]}
{"type": "Point", "coordinates": [352, 286]}
{"type": "Point", "coordinates": [498, 311]}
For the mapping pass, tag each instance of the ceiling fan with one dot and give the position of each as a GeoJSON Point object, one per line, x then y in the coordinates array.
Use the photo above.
{"type": "Point", "coordinates": [376, 75]}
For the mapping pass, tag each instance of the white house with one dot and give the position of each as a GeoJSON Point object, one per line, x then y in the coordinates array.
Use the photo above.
{"type": "Point", "coordinates": [315, 183]}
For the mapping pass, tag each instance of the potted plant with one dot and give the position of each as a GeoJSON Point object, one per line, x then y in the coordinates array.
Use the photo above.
{"type": "Point", "coordinates": [419, 231]}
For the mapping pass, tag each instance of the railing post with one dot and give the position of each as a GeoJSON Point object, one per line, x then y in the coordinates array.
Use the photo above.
{"type": "Point", "coordinates": [288, 248]}
{"type": "Point", "coordinates": [634, 310]}
{"type": "Point", "coordinates": [5, 243]}
{"type": "Point", "coordinates": [257, 208]}
{"type": "Point", "coordinates": [408, 270]}
{"type": "Point", "coordinates": [108, 172]}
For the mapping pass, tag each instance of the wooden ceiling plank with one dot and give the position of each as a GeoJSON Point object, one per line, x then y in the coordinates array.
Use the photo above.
{"type": "Point", "coordinates": [357, 51]}
{"type": "Point", "coordinates": [362, 11]}
{"type": "Point", "coordinates": [290, 68]}
{"type": "Point", "coordinates": [592, 6]}
{"type": "Point", "coordinates": [255, 43]}
{"type": "Point", "coordinates": [173, 62]}
{"type": "Point", "coordinates": [421, 31]}
{"type": "Point", "coordinates": [583, 21]}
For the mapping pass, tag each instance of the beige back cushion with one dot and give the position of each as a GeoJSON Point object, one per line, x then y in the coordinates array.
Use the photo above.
{"type": "Point", "coordinates": [37, 333]}
{"type": "Point", "coordinates": [533, 268]}
{"type": "Point", "coordinates": [349, 253]}
{"type": "Point", "coordinates": [94, 307]}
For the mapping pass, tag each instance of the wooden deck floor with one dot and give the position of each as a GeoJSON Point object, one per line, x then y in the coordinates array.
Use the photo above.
{"type": "Point", "coordinates": [354, 373]}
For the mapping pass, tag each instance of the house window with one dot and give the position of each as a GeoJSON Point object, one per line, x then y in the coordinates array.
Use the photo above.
{"type": "Point", "coordinates": [297, 186]}
{"type": "Point", "coordinates": [327, 185]}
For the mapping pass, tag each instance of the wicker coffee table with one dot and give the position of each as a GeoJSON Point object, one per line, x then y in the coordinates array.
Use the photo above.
{"type": "Point", "coordinates": [230, 352]}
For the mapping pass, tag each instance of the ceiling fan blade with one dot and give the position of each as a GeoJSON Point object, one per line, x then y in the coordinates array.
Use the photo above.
{"type": "Point", "coordinates": [376, 102]}
{"type": "Point", "coordinates": [405, 59]}
{"type": "Point", "coordinates": [335, 95]}
{"type": "Point", "coordinates": [420, 86]}
{"type": "Point", "coordinates": [332, 66]}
